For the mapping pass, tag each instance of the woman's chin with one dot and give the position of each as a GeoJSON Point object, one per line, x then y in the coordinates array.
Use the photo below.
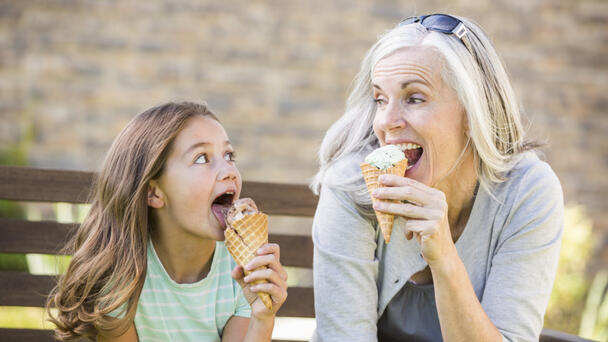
{"type": "Point", "coordinates": [418, 172]}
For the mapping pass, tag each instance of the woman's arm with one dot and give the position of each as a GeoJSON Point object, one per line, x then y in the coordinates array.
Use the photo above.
{"type": "Point", "coordinates": [525, 260]}
{"type": "Point", "coordinates": [461, 315]}
{"type": "Point", "coordinates": [345, 271]}
{"type": "Point", "coordinates": [523, 265]}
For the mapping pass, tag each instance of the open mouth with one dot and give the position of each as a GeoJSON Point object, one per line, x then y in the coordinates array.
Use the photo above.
{"type": "Point", "coordinates": [412, 152]}
{"type": "Point", "coordinates": [221, 205]}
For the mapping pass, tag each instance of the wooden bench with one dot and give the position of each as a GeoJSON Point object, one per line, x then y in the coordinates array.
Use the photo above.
{"type": "Point", "coordinates": [47, 237]}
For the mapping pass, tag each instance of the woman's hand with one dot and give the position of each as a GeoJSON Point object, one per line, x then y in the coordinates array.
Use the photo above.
{"type": "Point", "coordinates": [425, 210]}
{"type": "Point", "coordinates": [268, 255]}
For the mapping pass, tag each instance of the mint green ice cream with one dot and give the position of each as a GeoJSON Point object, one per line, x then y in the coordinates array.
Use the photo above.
{"type": "Point", "coordinates": [385, 157]}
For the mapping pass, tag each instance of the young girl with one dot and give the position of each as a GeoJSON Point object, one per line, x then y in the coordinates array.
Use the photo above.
{"type": "Point", "coordinates": [148, 262]}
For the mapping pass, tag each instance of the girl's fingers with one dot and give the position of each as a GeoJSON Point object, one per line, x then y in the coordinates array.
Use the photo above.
{"type": "Point", "coordinates": [238, 273]}
{"type": "Point", "coordinates": [266, 274]}
{"type": "Point", "coordinates": [278, 294]}
{"type": "Point", "coordinates": [269, 260]}
{"type": "Point", "coordinates": [270, 248]}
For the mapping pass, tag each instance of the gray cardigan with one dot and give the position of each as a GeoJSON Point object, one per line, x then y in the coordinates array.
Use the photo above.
{"type": "Point", "coordinates": [510, 248]}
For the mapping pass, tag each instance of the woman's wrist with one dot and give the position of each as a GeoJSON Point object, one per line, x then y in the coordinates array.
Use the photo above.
{"type": "Point", "coordinates": [447, 265]}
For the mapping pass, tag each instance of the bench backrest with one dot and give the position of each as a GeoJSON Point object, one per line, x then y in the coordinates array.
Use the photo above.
{"type": "Point", "coordinates": [48, 237]}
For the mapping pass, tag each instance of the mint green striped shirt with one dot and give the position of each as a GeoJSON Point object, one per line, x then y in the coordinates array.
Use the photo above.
{"type": "Point", "coordinates": [172, 312]}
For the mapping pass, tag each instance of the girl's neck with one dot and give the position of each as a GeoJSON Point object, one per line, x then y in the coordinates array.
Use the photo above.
{"type": "Point", "coordinates": [186, 259]}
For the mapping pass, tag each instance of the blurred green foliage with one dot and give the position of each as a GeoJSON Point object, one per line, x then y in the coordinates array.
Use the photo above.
{"type": "Point", "coordinates": [13, 155]}
{"type": "Point", "coordinates": [594, 323]}
{"type": "Point", "coordinates": [571, 294]}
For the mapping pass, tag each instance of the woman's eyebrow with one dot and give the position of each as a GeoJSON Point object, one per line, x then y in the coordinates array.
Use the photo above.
{"type": "Point", "coordinates": [405, 84]}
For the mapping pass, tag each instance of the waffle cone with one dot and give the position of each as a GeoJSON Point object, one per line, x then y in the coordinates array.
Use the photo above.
{"type": "Point", "coordinates": [243, 238]}
{"type": "Point", "coordinates": [371, 174]}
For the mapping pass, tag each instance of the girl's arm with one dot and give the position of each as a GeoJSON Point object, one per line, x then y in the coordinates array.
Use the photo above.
{"type": "Point", "coordinates": [129, 336]}
{"type": "Point", "coordinates": [259, 326]}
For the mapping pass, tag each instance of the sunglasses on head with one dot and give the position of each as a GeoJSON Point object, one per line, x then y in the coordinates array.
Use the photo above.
{"type": "Point", "coordinates": [441, 23]}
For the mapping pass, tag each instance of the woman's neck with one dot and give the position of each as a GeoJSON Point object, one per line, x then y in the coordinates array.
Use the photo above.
{"type": "Point", "coordinates": [186, 258]}
{"type": "Point", "coordinates": [460, 195]}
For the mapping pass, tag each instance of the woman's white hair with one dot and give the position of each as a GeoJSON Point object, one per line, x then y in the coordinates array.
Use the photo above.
{"type": "Point", "coordinates": [480, 82]}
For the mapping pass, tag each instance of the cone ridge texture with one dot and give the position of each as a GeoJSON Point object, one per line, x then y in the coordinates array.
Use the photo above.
{"type": "Point", "coordinates": [371, 174]}
{"type": "Point", "coordinates": [243, 239]}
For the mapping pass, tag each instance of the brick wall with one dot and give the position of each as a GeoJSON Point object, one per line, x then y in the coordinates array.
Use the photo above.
{"type": "Point", "coordinates": [72, 73]}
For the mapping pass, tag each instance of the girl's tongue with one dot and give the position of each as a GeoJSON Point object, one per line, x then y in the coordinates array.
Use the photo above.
{"type": "Point", "coordinates": [220, 207]}
{"type": "Point", "coordinates": [220, 210]}
{"type": "Point", "coordinates": [413, 155]}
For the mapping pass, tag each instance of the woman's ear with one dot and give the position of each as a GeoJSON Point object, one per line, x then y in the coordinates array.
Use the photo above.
{"type": "Point", "coordinates": [156, 197]}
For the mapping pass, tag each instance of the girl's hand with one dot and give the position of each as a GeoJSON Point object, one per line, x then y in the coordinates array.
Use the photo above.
{"type": "Point", "coordinates": [269, 256]}
{"type": "Point", "coordinates": [425, 210]}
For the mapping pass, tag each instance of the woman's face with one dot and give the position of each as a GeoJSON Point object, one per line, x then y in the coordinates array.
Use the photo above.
{"type": "Point", "coordinates": [200, 179]}
{"type": "Point", "coordinates": [420, 113]}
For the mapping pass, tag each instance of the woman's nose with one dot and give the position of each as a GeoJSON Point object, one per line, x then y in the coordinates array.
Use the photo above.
{"type": "Point", "coordinates": [391, 117]}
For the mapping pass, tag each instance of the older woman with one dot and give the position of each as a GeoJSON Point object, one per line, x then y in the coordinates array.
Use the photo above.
{"type": "Point", "coordinates": [478, 225]}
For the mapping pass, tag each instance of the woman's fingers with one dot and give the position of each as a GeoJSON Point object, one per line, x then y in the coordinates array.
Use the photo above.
{"type": "Point", "coordinates": [407, 210]}
{"type": "Point", "coordinates": [397, 181]}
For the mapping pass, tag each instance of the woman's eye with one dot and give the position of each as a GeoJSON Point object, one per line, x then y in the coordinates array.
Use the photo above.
{"type": "Point", "coordinates": [229, 156]}
{"type": "Point", "coordinates": [415, 100]}
{"type": "Point", "coordinates": [379, 101]}
{"type": "Point", "coordinates": [202, 159]}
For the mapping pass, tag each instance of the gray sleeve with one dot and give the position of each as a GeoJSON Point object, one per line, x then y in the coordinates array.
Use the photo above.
{"type": "Point", "coordinates": [526, 256]}
{"type": "Point", "coordinates": [345, 271]}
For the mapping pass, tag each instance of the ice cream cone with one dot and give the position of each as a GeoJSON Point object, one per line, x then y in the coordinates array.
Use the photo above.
{"type": "Point", "coordinates": [243, 238]}
{"type": "Point", "coordinates": [371, 174]}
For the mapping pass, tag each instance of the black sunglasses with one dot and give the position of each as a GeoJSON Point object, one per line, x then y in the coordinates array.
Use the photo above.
{"type": "Point", "coordinates": [441, 23]}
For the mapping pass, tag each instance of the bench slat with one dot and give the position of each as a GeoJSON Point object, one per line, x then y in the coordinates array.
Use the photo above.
{"type": "Point", "coordinates": [32, 335]}
{"type": "Point", "coordinates": [27, 335]}
{"type": "Point", "coordinates": [549, 335]}
{"type": "Point", "coordinates": [43, 185]}
{"type": "Point", "coordinates": [48, 237]}
{"type": "Point", "coordinates": [24, 289]}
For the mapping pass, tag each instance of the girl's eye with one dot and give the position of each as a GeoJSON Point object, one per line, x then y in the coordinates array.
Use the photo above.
{"type": "Point", "coordinates": [202, 159]}
{"type": "Point", "coordinates": [229, 156]}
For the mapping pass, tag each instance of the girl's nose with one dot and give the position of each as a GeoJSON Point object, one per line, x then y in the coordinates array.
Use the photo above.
{"type": "Point", "coordinates": [227, 170]}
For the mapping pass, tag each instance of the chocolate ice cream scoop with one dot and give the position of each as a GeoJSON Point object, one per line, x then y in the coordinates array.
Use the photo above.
{"type": "Point", "coordinates": [239, 209]}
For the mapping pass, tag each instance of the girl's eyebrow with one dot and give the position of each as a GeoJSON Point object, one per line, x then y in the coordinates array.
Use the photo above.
{"type": "Point", "coordinates": [202, 143]}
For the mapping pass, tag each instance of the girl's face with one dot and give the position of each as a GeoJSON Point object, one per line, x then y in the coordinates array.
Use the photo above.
{"type": "Point", "coordinates": [420, 113]}
{"type": "Point", "coordinates": [199, 180]}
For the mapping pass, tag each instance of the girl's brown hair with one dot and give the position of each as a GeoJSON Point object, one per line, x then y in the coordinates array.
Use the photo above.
{"type": "Point", "coordinates": [99, 292]}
